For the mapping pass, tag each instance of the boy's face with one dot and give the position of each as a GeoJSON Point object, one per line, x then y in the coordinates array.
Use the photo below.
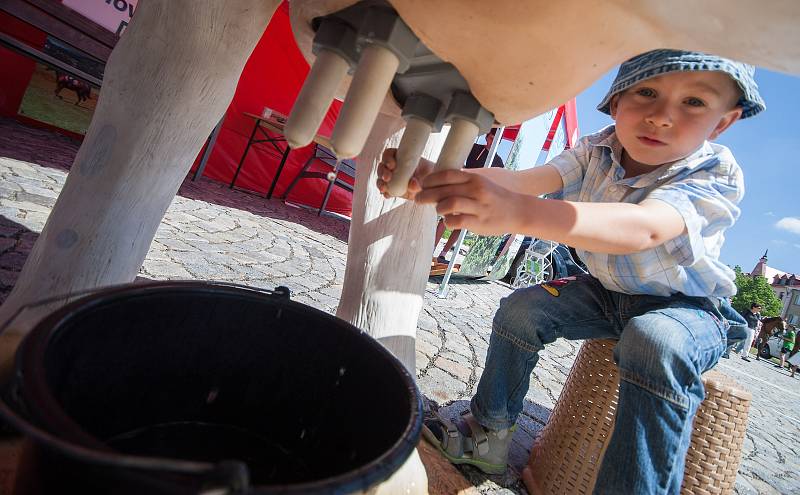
{"type": "Point", "coordinates": [668, 117]}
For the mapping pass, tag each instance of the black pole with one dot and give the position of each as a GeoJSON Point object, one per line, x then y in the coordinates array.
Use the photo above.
{"type": "Point", "coordinates": [244, 155]}
{"type": "Point", "coordinates": [210, 142]}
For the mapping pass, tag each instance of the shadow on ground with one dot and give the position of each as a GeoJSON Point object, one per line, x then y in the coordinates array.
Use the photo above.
{"type": "Point", "coordinates": [50, 149]}
{"type": "Point", "coordinates": [16, 242]}
{"type": "Point", "coordinates": [215, 192]}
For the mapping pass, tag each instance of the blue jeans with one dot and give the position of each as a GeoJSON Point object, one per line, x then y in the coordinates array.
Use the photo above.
{"type": "Point", "coordinates": [665, 343]}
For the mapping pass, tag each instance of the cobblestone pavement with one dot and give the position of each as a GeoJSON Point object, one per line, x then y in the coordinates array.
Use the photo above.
{"type": "Point", "coordinates": [212, 232]}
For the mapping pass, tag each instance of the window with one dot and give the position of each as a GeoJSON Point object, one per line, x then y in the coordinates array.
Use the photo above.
{"type": "Point", "coordinates": [797, 299]}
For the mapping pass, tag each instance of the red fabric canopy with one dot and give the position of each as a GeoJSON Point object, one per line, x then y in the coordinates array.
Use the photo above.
{"type": "Point", "coordinates": [272, 78]}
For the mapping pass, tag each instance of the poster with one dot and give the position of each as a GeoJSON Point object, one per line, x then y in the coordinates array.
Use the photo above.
{"type": "Point", "coordinates": [113, 15]}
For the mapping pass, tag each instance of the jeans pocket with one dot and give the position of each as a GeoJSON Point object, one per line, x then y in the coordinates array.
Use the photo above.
{"type": "Point", "coordinates": [710, 335]}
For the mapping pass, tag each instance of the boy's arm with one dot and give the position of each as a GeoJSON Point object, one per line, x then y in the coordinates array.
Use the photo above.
{"type": "Point", "coordinates": [535, 181]}
{"type": "Point", "coordinates": [482, 205]}
{"type": "Point", "coordinates": [563, 173]}
{"type": "Point", "coordinates": [613, 228]}
{"type": "Point", "coordinates": [678, 214]}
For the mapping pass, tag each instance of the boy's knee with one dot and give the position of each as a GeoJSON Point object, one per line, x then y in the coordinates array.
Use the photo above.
{"type": "Point", "coordinates": [644, 343]}
{"type": "Point", "coordinates": [520, 318]}
{"type": "Point", "coordinates": [655, 352]}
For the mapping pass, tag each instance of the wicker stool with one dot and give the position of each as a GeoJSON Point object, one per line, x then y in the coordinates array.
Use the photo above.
{"type": "Point", "coordinates": [567, 455]}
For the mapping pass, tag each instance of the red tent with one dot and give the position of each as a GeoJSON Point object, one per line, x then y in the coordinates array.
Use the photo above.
{"type": "Point", "coordinates": [271, 78]}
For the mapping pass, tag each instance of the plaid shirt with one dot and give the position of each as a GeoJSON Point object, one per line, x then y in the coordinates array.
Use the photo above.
{"type": "Point", "coordinates": [704, 188]}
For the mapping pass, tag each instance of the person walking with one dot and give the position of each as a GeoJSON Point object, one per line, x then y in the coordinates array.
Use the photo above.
{"type": "Point", "coordinates": [753, 318]}
{"type": "Point", "coordinates": [788, 344]}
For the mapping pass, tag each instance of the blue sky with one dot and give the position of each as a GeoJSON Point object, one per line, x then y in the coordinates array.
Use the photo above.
{"type": "Point", "coordinates": [765, 147]}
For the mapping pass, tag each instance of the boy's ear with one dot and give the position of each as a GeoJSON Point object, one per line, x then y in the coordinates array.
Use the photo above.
{"type": "Point", "coordinates": [726, 121]}
{"type": "Point", "coordinates": [612, 106]}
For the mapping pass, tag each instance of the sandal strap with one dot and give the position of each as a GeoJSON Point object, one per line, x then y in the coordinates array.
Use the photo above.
{"type": "Point", "coordinates": [451, 442]}
{"type": "Point", "coordinates": [479, 438]}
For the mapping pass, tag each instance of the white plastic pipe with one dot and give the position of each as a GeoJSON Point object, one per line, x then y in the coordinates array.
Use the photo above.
{"type": "Point", "coordinates": [371, 81]}
{"type": "Point", "coordinates": [315, 98]}
{"type": "Point", "coordinates": [415, 137]}
{"type": "Point", "coordinates": [460, 139]}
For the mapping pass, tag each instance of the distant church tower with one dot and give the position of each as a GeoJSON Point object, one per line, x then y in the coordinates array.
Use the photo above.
{"type": "Point", "coordinates": [761, 266]}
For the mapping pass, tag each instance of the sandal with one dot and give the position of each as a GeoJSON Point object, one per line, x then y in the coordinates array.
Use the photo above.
{"type": "Point", "coordinates": [485, 449]}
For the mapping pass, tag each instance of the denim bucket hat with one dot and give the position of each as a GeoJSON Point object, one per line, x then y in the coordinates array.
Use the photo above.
{"type": "Point", "coordinates": [657, 62]}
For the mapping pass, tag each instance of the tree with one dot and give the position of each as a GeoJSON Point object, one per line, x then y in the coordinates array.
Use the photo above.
{"type": "Point", "coordinates": [755, 290]}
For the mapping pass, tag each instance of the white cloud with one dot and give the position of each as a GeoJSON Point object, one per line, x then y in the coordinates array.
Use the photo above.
{"type": "Point", "coordinates": [779, 242]}
{"type": "Point", "coordinates": [769, 214]}
{"type": "Point", "coordinates": [789, 224]}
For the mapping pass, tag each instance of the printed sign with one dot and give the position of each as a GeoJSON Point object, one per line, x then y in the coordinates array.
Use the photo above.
{"type": "Point", "coordinates": [113, 15]}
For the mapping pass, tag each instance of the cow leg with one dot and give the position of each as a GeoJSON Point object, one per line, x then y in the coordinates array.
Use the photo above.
{"type": "Point", "coordinates": [388, 261]}
{"type": "Point", "coordinates": [166, 84]}
{"type": "Point", "coordinates": [388, 254]}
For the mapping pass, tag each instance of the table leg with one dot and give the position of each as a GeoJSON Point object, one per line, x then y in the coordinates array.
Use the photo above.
{"type": "Point", "coordinates": [244, 155]}
{"type": "Point", "coordinates": [278, 173]}
{"type": "Point", "coordinates": [210, 142]}
{"type": "Point", "coordinates": [327, 195]}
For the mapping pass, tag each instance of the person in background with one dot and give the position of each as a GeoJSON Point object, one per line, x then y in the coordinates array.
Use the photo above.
{"type": "Point", "coordinates": [753, 317]}
{"type": "Point", "coordinates": [794, 357]}
{"type": "Point", "coordinates": [789, 337]}
{"type": "Point", "coordinates": [476, 159]}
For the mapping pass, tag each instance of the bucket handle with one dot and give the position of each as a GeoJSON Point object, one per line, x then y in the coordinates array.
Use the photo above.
{"type": "Point", "coordinates": [226, 477]}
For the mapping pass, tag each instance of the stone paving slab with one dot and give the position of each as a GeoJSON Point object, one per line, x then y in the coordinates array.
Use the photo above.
{"type": "Point", "coordinates": [212, 232]}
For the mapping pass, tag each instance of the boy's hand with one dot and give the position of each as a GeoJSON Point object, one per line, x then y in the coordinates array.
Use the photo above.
{"type": "Point", "coordinates": [472, 201]}
{"type": "Point", "coordinates": [386, 170]}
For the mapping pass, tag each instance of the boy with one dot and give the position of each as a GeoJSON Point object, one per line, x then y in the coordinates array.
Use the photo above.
{"type": "Point", "coordinates": [646, 203]}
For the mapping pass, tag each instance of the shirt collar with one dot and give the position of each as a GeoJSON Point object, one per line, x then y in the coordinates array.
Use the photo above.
{"type": "Point", "coordinates": [607, 138]}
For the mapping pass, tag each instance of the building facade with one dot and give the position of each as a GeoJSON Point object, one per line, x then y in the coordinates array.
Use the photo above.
{"type": "Point", "coordinates": [786, 287]}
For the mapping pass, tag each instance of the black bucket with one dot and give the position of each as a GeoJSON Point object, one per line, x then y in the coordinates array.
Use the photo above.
{"type": "Point", "coordinates": [186, 387]}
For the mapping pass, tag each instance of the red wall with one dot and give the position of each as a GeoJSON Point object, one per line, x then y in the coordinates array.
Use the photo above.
{"type": "Point", "coordinates": [16, 69]}
{"type": "Point", "coordinates": [272, 77]}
